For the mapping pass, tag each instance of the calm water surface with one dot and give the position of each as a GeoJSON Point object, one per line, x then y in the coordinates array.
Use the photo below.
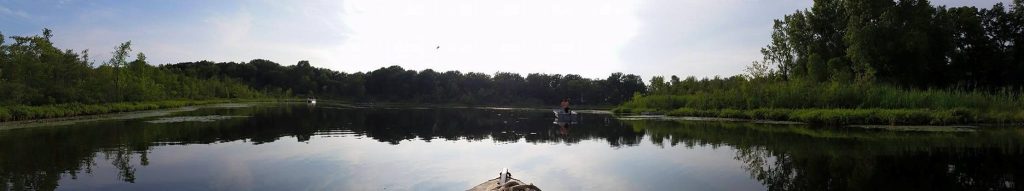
{"type": "Point", "coordinates": [302, 147]}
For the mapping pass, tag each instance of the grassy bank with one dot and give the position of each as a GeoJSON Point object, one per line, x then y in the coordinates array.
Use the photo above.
{"type": "Point", "coordinates": [833, 103]}
{"type": "Point", "coordinates": [15, 113]}
{"type": "Point", "coordinates": [861, 116]}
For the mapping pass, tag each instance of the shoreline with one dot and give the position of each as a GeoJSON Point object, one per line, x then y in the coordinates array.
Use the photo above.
{"type": "Point", "coordinates": [62, 112]}
{"type": "Point", "coordinates": [841, 117]}
{"type": "Point", "coordinates": [8, 125]}
{"type": "Point", "coordinates": [65, 113]}
{"type": "Point", "coordinates": [915, 128]}
{"type": "Point", "coordinates": [780, 116]}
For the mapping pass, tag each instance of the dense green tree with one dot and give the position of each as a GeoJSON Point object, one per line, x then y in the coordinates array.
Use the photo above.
{"type": "Point", "coordinates": [905, 43]}
{"type": "Point", "coordinates": [34, 72]}
{"type": "Point", "coordinates": [510, 86]}
{"type": "Point", "coordinates": [396, 84]}
{"type": "Point", "coordinates": [658, 85]}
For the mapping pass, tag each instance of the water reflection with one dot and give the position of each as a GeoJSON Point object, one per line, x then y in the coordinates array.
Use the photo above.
{"type": "Point", "coordinates": [800, 158]}
{"type": "Point", "coordinates": [780, 157]}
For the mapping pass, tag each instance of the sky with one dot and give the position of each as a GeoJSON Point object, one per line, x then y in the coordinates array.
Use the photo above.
{"type": "Point", "coordinates": [593, 38]}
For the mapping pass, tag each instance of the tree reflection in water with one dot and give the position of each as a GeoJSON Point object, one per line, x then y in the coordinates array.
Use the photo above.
{"type": "Point", "coordinates": [782, 157]}
{"type": "Point", "coordinates": [786, 157]}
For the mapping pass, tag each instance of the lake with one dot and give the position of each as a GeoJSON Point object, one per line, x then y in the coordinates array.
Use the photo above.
{"type": "Point", "coordinates": [333, 147]}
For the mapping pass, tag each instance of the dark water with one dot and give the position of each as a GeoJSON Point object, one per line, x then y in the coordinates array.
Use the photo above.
{"type": "Point", "coordinates": [299, 147]}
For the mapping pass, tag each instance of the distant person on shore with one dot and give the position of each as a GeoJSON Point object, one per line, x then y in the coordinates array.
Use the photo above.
{"type": "Point", "coordinates": [565, 105]}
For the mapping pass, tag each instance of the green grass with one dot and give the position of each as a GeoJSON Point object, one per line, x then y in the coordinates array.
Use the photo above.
{"type": "Point", "coordinates": [21, 112]}
{"type": "Point", "coordinates": [834, 104]}
{"type": "Point", "coordinates": [856, 116]}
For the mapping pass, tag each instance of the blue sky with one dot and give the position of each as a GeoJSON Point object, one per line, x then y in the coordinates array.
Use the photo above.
{"type": "Point", "coordinates": [588, 37]}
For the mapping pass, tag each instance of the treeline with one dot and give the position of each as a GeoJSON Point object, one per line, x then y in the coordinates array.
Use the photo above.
{"type": "Point", "coordinates": [34, 72]}
{"type": "Point", "coordinates": [395, 84]}
{"type": "Point", "coordinates": [868, 62]}
{"type": "Point", "coordinates": [908, 43]}
{"type": "Point", "coordinates": [830, 103]}
{"type": "Point", "coordinates": [740, 92]}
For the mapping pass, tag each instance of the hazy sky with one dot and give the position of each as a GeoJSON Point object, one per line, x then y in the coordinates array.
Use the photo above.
{"type": "Point", "coordinates": [588, 37]}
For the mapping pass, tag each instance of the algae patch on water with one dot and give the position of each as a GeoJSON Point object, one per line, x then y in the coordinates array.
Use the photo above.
{"type": "Point", "coordinates": [206, 118]}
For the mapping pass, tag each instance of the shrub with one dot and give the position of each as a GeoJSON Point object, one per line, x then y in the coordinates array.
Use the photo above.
{"type": "Point", "coordinates": [831, 103]}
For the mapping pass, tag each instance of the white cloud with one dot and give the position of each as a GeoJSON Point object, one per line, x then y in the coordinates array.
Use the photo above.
{"type": "Point", "coordinates": [8, 11]}
{"type": "Point", "coordinates": [712, 38]}
{"type": "Point", "coordinates": [589, 37]}
{"type": "Point", "coordinates": [282, 32]}
{"type": "Point", "coordinates": [486, 36]}
{"type": "Point", "coordinates": [232, 29]}
{"type": "Point", "coordinates": [702, 38]}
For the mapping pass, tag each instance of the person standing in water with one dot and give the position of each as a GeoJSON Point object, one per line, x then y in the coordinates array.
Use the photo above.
{"type": "Point", "coordinates": [565, 105]}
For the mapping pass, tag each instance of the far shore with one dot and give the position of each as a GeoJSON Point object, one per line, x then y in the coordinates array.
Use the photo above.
{"type": "Point", "coordinates": [864, 118]}
{"type": "Point", "coordinates": [161, 108]}
{"type": "Point", "coordinates": [158, 108]}
{"type": "Point", "coordinates": [62, 114]}
{"type": "Point", "coordinates": [917, 128]}
{"type": "Point", "coordinates": [130, 114]}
